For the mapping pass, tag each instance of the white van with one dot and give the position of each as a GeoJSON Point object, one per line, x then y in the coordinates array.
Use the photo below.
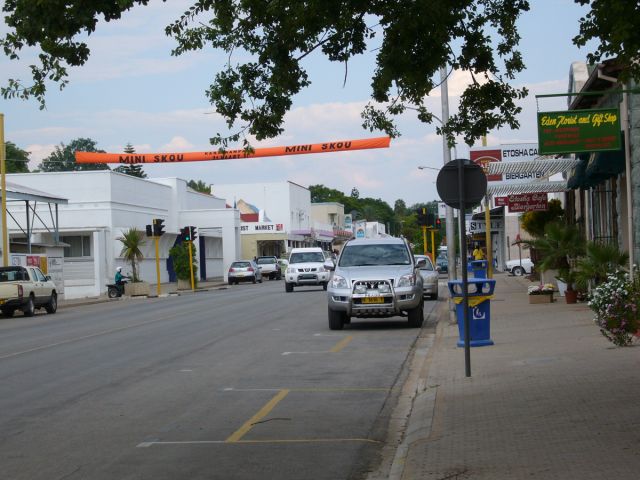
{"type": "Point", "coordinates": [306, 267]}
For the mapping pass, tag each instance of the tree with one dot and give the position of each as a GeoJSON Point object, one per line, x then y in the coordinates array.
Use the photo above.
{"type": "Point", "coordinates": [355, 193]}
{"type": "Point", "coordinates": [135, 170]}
{"type": "Point", "coordinates": [412, 40]}
{"type": "Point", "coordinates": [534, 223]}
{"type": "Point", "coordinates": [199, 186]}
{"type": "Point", "coordinates": [132, 240]}
{"type": "Point", "coordinates": [180, 255]}
{"type": "Point", "coordinates": [63, 159]}
{"type": "Point", "coordinates": [400, 208]}
{"type": "Point", "coordinates": [17, 160]}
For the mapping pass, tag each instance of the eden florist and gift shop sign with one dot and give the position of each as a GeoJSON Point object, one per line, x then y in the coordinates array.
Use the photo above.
{"type": "Point", "coordinates": [579, 131]}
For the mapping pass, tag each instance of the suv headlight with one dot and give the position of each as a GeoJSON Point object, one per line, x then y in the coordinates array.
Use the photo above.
{"type": "Point", "coordinates": [407, 280]}
{"type": "Point", "coordinates": [291, 270]}
{"type": "Point", "coordinates": [338, 282]}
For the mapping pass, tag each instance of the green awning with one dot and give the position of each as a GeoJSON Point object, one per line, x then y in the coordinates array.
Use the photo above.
{"type": "Point", "coordinates": [577, 175]}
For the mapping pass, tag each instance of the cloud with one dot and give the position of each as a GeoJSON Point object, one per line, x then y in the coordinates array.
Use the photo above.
{"type": "Point", "coordinates": [38, 153]}
{"type": "Point", "coordinates": [177, 144]}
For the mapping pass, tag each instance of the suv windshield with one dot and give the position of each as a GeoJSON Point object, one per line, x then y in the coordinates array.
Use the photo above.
{"type": "Point", "coordinates": [374, 255]}
{"type": "Point", "coordinates": [306, 257]}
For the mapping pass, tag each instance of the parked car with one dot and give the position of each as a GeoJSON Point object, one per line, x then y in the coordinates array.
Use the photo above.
{"type": "Point", "coordinates": [429, 277]}
{"type": "Point", "coordinates": [269, 267]}
{"type": "Point", "coordinates": [375, 277]}
{"type": "Point", "coordinates": [25, 289]}
{"type": "Point", "coordinates": [244, 271]}
{"type": "Point", "coordinates": [442, 264]}
{"type": "Point", "coordinates": [306, 267]}
{"type": "Point", "coordinates": [519, 267]}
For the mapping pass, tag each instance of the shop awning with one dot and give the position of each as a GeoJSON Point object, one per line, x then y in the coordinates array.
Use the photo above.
{"type": "Point", "coordinates": [502, 189]}
{"type": "Point", "coordinates": [547, 166]}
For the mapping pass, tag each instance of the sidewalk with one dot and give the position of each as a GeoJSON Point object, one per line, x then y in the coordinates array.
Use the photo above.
{"type": "Point", "coordinates": [165, 289]}
{"type": "Point", "coordinates": [552, 399]}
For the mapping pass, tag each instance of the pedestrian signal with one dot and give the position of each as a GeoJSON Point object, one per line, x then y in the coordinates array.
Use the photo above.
{"type": "Point", "coordinates": [158, 227]}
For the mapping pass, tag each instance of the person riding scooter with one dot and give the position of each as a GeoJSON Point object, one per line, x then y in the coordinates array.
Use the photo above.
{"type": "Point", "coordinates": [120, 280]}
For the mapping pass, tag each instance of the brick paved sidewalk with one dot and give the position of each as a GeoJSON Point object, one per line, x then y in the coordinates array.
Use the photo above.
{"type": "Point", "coordinates": [552, 399]}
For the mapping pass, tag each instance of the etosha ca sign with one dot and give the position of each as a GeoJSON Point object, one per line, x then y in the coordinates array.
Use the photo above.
{"type": "Point", "coordinates": [578, 131]}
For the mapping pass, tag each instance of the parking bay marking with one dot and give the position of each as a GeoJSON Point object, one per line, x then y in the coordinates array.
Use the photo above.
{"type": "Point", "coordinates": [236, 437]}
{"type": "Point", "coordinates": [338, 347]}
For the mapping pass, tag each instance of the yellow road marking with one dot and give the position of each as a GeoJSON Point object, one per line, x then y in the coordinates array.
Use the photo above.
{"type": "Point", "coordinates": [264, 411]}
{"type": "Point", "coordinates": [341, 344]}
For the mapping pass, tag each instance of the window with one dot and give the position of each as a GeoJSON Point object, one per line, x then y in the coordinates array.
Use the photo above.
{"type": "Point", "coordinates": [79, 245]}
{"type": "Point", "coordinates": [374, 255]}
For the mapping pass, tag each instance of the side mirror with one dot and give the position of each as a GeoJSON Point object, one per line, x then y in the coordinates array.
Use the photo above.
{"type": "Point", "coordinates": [438, 268]}
{"type": "Point", "coordinates": [421, 263]}
{"type": "Point", "coordinates": [48, 278]}
{"type": "Point", "coordinates": [329, 265]}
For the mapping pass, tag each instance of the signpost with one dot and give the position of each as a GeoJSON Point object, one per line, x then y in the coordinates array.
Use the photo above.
{"type": "Point", "coordinates": [462, 184]}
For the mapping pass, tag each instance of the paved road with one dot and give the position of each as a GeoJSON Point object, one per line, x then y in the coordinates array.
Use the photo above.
{"type": "Point", "coordinates": [242, 383]}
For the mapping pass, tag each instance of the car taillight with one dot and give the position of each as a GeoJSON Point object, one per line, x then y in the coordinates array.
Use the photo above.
{"type": "Point", "coordinates": [250, 269]}
{"type": "Point", "coordinates": [232, 270]}
{"type": "Point", "coordinates": [20, 291]}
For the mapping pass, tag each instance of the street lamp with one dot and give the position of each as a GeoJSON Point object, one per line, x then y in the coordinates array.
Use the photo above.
{"type": "Point", "coordinates": [423, 167]}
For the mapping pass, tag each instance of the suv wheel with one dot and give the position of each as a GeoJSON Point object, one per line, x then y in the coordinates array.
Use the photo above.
{"type": "Point", "coordinates": [288, 287]}
{"type": "Point", "coordinates": [324, 285]}
{"type": "Point", "coordinates": [518, 271]}
{"type": "Point", "coordinates": [336, 319]}
{"type": "Point", "coordinates": [416, 316]}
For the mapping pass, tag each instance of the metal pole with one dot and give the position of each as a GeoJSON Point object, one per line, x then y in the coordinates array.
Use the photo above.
{"type": "Point", "coordinates": [3, 186]}
{"type": "Point", "coordinates": [487, 236]}
{"type": "Point", "coordinates": [424, 239]}
{"type": "Point", "coordinates": [157, 242]}
{"type": "Point", "coordinates": [463, 255]}
{"type": "Point", "coordinates": [433, 245]}
{"type": "Point", "coordinates": [627, 162]}
{"type": "Point", "coordinates": [449, 219]}
{"type": "Point", "coordinates": [193, 285]}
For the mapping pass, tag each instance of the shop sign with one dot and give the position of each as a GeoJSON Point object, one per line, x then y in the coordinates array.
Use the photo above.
{"type": "Point", "coordinates": [508, 153]}
{"type": "Point", "coordinates": [261, 227]}
{"type": "Point", "coordinates": [479, 226]}
{"type": "Point", "coordinates": [528, 202]}
{"type": "Point", "coordinates": [501, 201]}
{"type": "Point", "coordinates": [578, 131]}
{"type": "Point", "coordinates": [348, 222]}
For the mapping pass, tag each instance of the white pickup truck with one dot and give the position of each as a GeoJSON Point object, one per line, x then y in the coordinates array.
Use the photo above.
{"type": "Point", "coordinates": [25, 289]}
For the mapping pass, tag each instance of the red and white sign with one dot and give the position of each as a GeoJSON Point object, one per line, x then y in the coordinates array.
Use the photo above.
{"type": "Point", "coordinates": [528, 202]}
{"type": "Point", "coordinates": [507, 153]}
{"type": "Point", "coordinates": [502, 201]}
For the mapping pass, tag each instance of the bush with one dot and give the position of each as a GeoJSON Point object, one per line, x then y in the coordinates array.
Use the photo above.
{"type": "Point", "coordinates": [616, 305]}
{"type": "Point", "coordinates": [180, 256]}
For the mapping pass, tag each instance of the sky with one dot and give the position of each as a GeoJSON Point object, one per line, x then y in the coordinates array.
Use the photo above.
{"type": "Point", "coordinates": [133, 91]}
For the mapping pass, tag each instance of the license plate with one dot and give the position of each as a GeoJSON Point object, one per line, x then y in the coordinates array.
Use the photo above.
{"type": "Point", "coordinates": [373, 300]}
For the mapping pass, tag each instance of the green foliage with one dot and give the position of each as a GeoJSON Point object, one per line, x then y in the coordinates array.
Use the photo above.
{"type": "Point", "coordinates": [132, 240]}
{"type": "Point", "coordinates": [63, 159]}
{"type": "Point", "coordinates": [254, 91]}
{"type": "Point", "coordinates": [560, 245]}
{"type": "Point", "coordinates": [599, 261]}
{"type": "Point", "coordinates": [180, 255]}
{"type": "Point", "coordinates": [133, 170]}
{"type": "Point", "coordinates": [534, 223]}
{"type": "Point", "coordinates": [16, 159]}
{"type": "Point", "coordinates": [199, 186]}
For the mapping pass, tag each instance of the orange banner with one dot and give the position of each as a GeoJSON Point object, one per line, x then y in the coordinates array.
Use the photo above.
{"type": "Point", "coordinates": [133, 158]}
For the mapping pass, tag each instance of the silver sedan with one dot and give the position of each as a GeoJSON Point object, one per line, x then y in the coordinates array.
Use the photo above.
{"type": "Point", "coordinates": [429, 277]}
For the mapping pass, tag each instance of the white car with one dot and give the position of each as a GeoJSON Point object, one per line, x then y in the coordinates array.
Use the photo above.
{"type": "Point", "coordinates": [306, 267]}
{"type": "Point", "coordinates": [519, 267]}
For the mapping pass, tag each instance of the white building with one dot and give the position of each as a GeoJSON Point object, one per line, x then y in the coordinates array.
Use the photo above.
{"type": "Point", "coordinates": [275, 216]}
{"type": "Point", "coordinates": [102, 204]}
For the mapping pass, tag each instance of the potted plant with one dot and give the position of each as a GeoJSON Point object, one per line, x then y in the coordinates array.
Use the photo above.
{"type": "Point", "coordinates": [599, 261]}
{"type": "Point", "coordinates": [180, 255]}
{"type": "Point", "coordinates": [132, 240]}
{"type": "Point", "coordinates": [558, 249]}
{"type": "Point", "coordinates": [542, 293]}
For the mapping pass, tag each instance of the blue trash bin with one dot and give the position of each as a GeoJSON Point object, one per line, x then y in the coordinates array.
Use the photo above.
{"type": "Point", "coordinates": [479, 268]}
{"type": "Point", "coordinates": [479, 310]}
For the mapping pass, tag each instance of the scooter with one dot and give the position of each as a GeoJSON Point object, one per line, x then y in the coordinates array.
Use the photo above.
{"type": "Point", "coordinates": [114, 290]}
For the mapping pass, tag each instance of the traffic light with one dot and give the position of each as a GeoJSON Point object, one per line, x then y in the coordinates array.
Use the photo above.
{"type": "Point", "coordinates": [438, 222]}
{"type": "Point", "coordinates": [430, 220]}
{"type": "Point", "coordinates": [193, 234]}
{"type": "Point", "coordinates": [149, 231]}
{"type": "Point", "coordinates": [158, 227]}
{"type": "Point", "coordinates": [422, 217]}
{"type": "Point", "coordinates": [185, 234]}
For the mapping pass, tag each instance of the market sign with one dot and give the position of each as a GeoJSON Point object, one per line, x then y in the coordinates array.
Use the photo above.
{"type": "Point", "coordinates": [261, 227]}
{"type": "Point", "coordinates": [528, 202]}
{"type": "Point", "coordinates": [578, 131]}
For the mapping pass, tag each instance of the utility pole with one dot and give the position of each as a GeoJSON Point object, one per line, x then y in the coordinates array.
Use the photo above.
{"type": "Point", "coordinates": [3, 185]}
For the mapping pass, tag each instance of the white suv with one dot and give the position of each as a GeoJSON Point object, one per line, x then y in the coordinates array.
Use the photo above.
{"type": "Point", "coordinates": [306, 267]}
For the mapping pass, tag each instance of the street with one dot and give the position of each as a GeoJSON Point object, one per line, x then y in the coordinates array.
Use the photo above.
{"type": "Point", "coordinates": [243, 382]}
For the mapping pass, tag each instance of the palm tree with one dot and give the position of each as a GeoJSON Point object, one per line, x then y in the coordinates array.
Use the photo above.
{"type": "Point", "coordinates": [132, 240]}
{"type": "Point", "coordinates": [600, 260]}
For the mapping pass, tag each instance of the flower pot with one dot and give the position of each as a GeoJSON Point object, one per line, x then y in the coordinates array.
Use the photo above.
{"type": "Point", "coordinates": [136, 289]}
{"type": "Point", "coordinates": [184, 284]}
{"type": "Point", "coordinates": [571, 296]}
{"type": "Point", "coordinates": [544, 298]}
